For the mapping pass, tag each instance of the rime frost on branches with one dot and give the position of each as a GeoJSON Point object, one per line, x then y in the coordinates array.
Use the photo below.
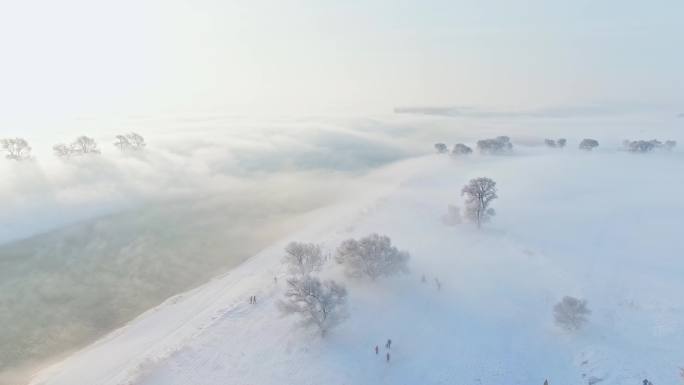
{"type": "Point", "coordinates": [372, 256]}
{"type": "Point", "coordinates": [319, 304]}
{"type": "Point", "coordinates": [303, 258]}
{"type": "Point", "coordinates": [15, 148]}
{"type": "Point", "coordinates": [83, 145]}
{"type": "Point", "coordinates": [479, 194]}
{"type": "Point", "coordinates": [130, 142]}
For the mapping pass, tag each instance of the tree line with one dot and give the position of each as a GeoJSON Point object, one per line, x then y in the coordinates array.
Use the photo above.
{"type": "Point", "coordinates": [18, 149]}
{"type": "Point", "coordinates": [503, 145]}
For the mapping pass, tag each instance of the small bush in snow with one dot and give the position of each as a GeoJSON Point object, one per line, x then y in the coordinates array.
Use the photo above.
{"type": "Point", "coordinates": [441, 148]}
{"type": "Point", "coordinates": [372, 256]}
{"type": "Point", "coordinates": [461, 149]}
{"type": "Point", "coordinates": [560, 143]}
{"type": "Point", "coordinates": [498, 145]}
{"type": "Point", "coordinates": [479, 194]}
{"type": "Point", "coordinates": [15, 148]}
{"type": "Point", "coordinates": [319, 304]}
{"type": "Point", "coordinates": [588, 144]}
{"type": "Point", "coordinates": [571, 313]}
{"type": "Point", "coordinates": [670, 144]}
{"type": "Point", "coordinates": [303, 258]}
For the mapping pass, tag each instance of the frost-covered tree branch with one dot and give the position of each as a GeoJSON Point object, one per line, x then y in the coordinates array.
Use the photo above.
{"type": "Point", "coordinates": [479, 194]}
{"type": "Point", "coordinates": [372, 256]}
{"type": "Point", "coordinates": [319, 304]}
{"type": "Point", "coordinates": [303, 258]}
{"type": "Point", "coordinates": [83, 145]}
{"type": "Point", "coordinates": [130, 142]}
{"type": "Point", "coordinates": [15, 148]}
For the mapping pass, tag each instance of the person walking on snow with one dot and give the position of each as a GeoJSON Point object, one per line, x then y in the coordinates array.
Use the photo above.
{"type": "Point", "coordinates": [388, 357]}
{"type": "Point", "coordinates": [376, 349]}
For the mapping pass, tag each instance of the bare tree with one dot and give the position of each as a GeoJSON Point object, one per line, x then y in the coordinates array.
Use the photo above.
{"type": "Point", "coordinates": [122, 143]}
{"type": "Point", "coordinates": [479, 194]}
{"type": "Point", "coordinates": [62, 150]}
{"type": "Point", "coordinates": [588, 144]}
{"type": "Point", "coordinates": [130, 142]}
{"type": "Point", "coordinates": [303, 258]}
{"type": "Point", "coordinates": [319, 304]}
{"type": "Point", "coordinates": [560, 143]}
{"type": "Point", "coordinates": [15, 148]}
{"type": "Point", "coordinates": [372, 256]}
{"type": "Point", "coordinates": [136, 140]}
{"type": "Point", "coordinates": [84, 145]}
{"type": "Point", "coordinates": [571, 313]}
{"type": "Point", "coordinates": [461, 149]}
{"type": "Point", "coordinates": [441, 148]}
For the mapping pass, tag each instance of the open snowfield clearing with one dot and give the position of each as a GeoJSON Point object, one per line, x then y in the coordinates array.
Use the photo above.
{"type": "Point", "coordinates": [603, 226]}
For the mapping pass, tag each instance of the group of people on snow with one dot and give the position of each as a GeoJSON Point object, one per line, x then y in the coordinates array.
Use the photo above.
{"type": "Point", "coordinates": [388, 346]}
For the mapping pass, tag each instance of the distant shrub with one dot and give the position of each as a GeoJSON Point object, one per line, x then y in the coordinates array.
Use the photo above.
{"type": "Point", "coordinates": [560, 143]}
{"type": "Point", "coordinates": [498, 145]}
{"type": "Point", "coordinates": [588, 144]}
{"type": "Point", "coordinates": [461, 149]}
{"type": "Point", "coordinates": [441, 148]}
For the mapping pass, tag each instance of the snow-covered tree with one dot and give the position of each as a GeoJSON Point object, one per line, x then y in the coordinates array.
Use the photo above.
{"type": "Point", "coordinates": [498, 145]}
{"type": "Point", "coordinates": [561, 142]}
{"type": "Point", "coordinates": [15, 148]}
{"type": "Point", "coordinates": [319, 304]}
{"type": "Point", "coordinates": [461, 149]}
{"type": "Point", "coordinates": [62, 150]}
{"type": "Point", "coordinates": [670, 144]}
{"type": "Point", "coordinates": [130, 142]}
{"type": "Point", "coordinates": [479, 194]}
{"type": "Point", "coordinates": [571, 313]}
{"type": "Point", "coordinates": [372, 256]}
{"type": "Point", "coordinates": [642, 145]}
{"type": "Point", "coordinates": [122, 143]}
{"type": "Point", "coordinates": [84, 145]}
{"type": "Point", "coordinates": [588, 144]}
{"type": "Point", "coordinates": [303, 258]}
{"type": "Point", "coordinates": [550, 143]}
{"type": "Point", "coordinates": [441, 148]}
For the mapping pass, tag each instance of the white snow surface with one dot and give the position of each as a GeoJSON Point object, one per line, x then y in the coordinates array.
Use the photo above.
{"type": "Point", "coordinates": [603, 226]}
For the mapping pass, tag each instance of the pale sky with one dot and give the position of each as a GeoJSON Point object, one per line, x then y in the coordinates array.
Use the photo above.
{"type": "Point", "coordinates": [146, 56]}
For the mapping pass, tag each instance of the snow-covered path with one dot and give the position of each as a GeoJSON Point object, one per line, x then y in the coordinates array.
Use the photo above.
{"type": "Point", "coordinates": [566, 226]}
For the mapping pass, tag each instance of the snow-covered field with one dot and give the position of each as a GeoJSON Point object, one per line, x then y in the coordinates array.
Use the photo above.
{"type": "Point", "coordinates": [604, 226]}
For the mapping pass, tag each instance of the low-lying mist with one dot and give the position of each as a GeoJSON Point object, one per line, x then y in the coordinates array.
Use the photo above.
{"type": "Point", "coordinates": [90, 242]}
